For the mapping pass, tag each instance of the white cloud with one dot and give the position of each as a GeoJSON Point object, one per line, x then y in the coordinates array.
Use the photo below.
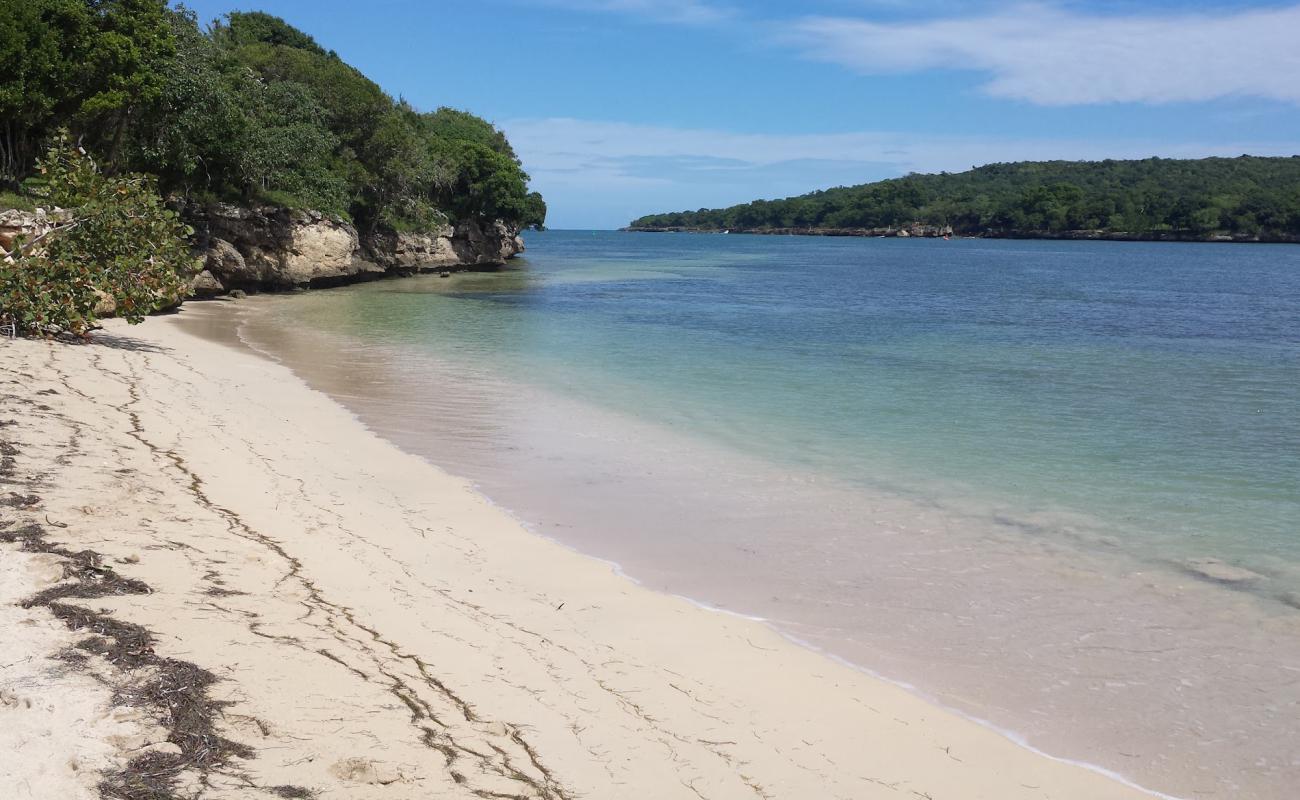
{"type": "Point", "coordinates": [1051, 56]}
{"type": "Point", "coordinates": [1045, 53]}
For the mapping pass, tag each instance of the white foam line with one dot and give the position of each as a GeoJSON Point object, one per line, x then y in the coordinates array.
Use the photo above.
{"type": "Point", "coordinates": [728, 612]}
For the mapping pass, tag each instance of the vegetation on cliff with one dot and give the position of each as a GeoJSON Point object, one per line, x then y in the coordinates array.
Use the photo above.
{"type": "Point", "coordinates": [1247, 197]}
{"type": "Point", "coordinates": [249, 110]}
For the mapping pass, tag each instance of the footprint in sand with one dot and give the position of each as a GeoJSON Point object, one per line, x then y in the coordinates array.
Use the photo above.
{"type": "Point", "coordinates": [363, 770]}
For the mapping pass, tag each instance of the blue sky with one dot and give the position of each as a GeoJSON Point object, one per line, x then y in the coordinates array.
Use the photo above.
{"type": "Point", "coordinates": [625, 107]}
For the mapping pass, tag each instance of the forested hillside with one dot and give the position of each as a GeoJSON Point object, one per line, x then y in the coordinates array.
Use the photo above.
{"type": "Point", "coordinates": [249, 110]}
{"type": "Point", "coordinates": [1245, 197]}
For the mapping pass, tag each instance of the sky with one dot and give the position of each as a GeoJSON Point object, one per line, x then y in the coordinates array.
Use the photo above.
{"type": "Point", "coordinates": [620, 108]}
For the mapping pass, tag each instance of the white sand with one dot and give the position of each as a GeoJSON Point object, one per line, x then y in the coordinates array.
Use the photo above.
{"type": "Point", "coordinates": [382, 631]}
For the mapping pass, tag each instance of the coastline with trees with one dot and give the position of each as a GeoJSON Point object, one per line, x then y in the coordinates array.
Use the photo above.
{"type": "Point", "coordinates": [1244, 199]}
{"type": "Point", "coordinates": [240, 155]}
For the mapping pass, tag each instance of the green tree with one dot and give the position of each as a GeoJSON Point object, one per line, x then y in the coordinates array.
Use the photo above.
{"type": "Point", "coordinates": [484, 184]}
{"type": "Point", "coordinates": [256, 27]}
{"type": "Point", "coordinates": [197, 136]}
{"type": "Point", "coordinates": [124, 65]}
{"type": "Point", "coordinates": [291, 156]}
{"type": "Point", "coordinates": [450, 123]}
{"type": "Point", "coordinates": [42, 44]}
{"type": "Point", "coordinates": [1246, 195]}
{"type": "Point", "coordinates": [253, 110]}
{"type": "Point", "coordinates": [399, 174]}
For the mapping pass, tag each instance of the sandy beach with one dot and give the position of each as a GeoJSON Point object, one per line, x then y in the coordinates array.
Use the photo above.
{"type": "Point", "coordinates": [216, 582]}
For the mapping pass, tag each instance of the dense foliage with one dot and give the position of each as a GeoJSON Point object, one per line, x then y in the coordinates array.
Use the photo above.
{"type": "Point", "coordinates": [120, 244]}
{"type": "Point", "coordinates": [250, 110]}
{"type": "Point", "coordinates": [1245, 196]}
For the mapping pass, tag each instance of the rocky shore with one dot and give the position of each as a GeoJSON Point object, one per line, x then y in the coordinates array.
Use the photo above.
{"type": "Point", "coordinates": [268, 248]}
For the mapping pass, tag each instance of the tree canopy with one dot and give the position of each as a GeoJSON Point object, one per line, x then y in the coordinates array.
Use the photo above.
{"type": "Point", "coordinates": [249, 110]}
{"type": "Point", "coordinates": [1248, 196]}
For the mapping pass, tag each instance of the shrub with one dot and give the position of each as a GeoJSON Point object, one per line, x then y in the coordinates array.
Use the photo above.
{"type": "Point", "coordinates": [119, 241]}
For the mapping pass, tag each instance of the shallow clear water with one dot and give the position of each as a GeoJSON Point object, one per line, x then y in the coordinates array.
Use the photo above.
{"type": "Point", "coordinates": [1038, 480]}
{"type": "Point", "coordinates": [1154, 387]}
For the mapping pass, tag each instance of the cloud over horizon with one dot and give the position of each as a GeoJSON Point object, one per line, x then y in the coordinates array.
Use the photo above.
{"type": "Point", "coordinates": [605, 173]}
{"type": "Point", "coordinates": [1118, 60]}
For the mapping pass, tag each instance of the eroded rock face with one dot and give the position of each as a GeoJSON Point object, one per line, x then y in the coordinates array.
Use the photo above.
{"type": "Point", "coordinates": [412, 251]}
{"type": "Point", "coordinates": [205, 284]}
{"type": "Point", "coordinates": [275, 248]}
{"type": "Point", "coordinates": [466, 245]}
{"type": "Point", "coordinates": [27, 224]}
{"type": "Point", "coordinates": [223, 259]}
{"type": "Point", "coordinates": [494, 243]}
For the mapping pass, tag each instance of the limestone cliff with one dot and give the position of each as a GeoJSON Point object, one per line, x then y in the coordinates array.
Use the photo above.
{"type": "Point", "coordinates": [276, 248]}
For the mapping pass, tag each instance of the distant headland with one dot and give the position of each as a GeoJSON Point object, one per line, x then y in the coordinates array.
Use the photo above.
{"type": "Point", "coordinates": [1243, 199]}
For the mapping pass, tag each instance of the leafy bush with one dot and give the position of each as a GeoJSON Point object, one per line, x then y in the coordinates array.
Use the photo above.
{"type": "Point", "coordinates": [120, 242]}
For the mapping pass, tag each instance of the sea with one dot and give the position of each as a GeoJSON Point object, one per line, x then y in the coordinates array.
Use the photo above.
{"type": "Point", "coordinates": [1051, 486]}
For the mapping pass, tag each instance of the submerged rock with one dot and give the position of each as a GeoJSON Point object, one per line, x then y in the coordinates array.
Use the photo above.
{"type": "Point", "coordinates": [1212, 569]}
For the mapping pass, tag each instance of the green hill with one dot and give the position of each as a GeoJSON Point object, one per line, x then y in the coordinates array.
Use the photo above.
{"type": "Point", "coordinates": [249, 110]}
{"type": "Point", "coordinates": [1244, 198]}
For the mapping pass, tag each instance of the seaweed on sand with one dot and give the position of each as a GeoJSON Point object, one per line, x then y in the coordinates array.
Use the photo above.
{"type": "Point", "coordinates": [175, 692]}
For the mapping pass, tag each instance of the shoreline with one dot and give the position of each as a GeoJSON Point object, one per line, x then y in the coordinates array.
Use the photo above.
{"type": "Point", "coordinates": [934, 232]}
{"type": "Point", "coordinates": [993, 617]}
{"type": "Point", "coordinates": [501, 691]}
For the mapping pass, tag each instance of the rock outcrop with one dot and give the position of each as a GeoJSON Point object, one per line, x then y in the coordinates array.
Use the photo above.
{"type": "Point", "coordinates": [275, 248]}
{"type": "Point", "coordinates": [29, 225]}
{"type": "Point", "coordinates": [465, 245]}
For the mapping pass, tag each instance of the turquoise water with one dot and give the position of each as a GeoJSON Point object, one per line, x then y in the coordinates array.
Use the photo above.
{"type": "Point", "coordinates": [1153, 389]}
{"type": "Point", "coordinates": [1055, 485]}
